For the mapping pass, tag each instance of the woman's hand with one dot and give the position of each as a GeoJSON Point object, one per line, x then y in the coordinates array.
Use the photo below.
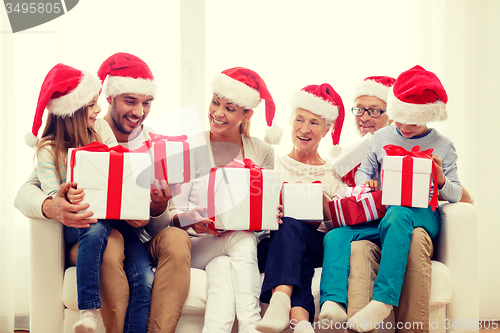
{"type": "Point", "coordinates": [373, 184]}
{"type": "Point", "coordinates": [74, 195]}
{"type": "Point", "coordinates": [441, 179]}
{"type": "Point", "coordinates": [280, 214]}
{"type": "Point", "coordinates": [194, 219]}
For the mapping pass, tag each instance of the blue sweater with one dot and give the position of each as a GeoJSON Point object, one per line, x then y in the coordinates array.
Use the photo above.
{"type": "Point", "coordinates": [443, 148]}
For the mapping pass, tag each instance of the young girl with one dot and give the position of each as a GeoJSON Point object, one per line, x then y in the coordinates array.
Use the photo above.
{"type": "Point", "coordinates": [418, 98]}
{"type": "Point", "coordinates": [71, 95]}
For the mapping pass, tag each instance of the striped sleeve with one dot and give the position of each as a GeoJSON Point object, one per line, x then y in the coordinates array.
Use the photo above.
{"type": "Point", "coordinates": [46, 171]}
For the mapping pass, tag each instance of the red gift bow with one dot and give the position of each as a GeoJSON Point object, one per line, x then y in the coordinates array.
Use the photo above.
{"type": "Point", "coordinates": [115, 178]}
{"type": "Point", "coordinates": [256, 188]}
{"type": "Point", "coordinates": [160, 153]}
{"type": "Point", "coordinates": [407, 177]}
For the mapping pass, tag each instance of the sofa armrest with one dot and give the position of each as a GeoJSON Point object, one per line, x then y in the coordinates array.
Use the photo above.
{"type": "Point", "coordinates": [457, 248]}
{"type": "Point", "coordinates": [47, 268]}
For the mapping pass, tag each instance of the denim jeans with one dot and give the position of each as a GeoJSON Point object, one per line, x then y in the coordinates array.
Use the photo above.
{"type": "Point", "coordinates": [92, 242]}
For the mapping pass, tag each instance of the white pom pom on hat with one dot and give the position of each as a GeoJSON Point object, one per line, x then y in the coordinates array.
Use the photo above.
{"type": "Point", "coordinates": [64, 91]}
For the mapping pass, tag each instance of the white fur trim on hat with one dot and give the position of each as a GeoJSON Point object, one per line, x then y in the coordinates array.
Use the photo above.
{"type": "Point", "coordinates": [314, 104]}
{"type": "Point", "coordinates": [236, 91]}
{"type": "Point", "coordinates": [371, 88]}
{"type": "Point", "coordinates": [68, 104]}
{"type": "Point", "coordinates": [415, 114]}
{"type": "Point", "coordinates": [273, 134]}
{"type": "Point", "coordinates": [117, 85]}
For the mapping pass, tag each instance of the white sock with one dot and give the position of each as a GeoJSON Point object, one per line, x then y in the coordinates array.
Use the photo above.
{"type": "Point", "coordinates": [277, 316]}
{"type": "Point", "coordinates": [87, 322]}
{"type": "Point", "coordinates": [370, 316]}
{"type": "Point", "coordinates": [333, 312]}
{"type": "Point", "coordinates": [303, 326]}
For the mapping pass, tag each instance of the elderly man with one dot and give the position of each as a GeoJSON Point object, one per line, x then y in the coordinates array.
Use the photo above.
{"type": "Point", "coordinates": [130, 254]}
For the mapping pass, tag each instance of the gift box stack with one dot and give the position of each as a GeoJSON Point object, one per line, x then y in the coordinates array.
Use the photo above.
{"type": "Point", "coordinates": [356, 205]}
{"type": "Point", "coordinates": [349, 161]}
{"type": "Point", "coordinates": [241, 196]}
{"type": "Point", "coordinates": [303, 202]}
{"type": "Point", "coordinates": [406, 177]}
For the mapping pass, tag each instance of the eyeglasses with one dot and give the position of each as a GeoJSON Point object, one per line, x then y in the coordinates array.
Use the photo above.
{"type": "Point", "coordinates": [359, 112]}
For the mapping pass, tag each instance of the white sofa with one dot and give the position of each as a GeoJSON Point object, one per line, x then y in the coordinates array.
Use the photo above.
{"type": "Point", "coordinates": [454, 294]}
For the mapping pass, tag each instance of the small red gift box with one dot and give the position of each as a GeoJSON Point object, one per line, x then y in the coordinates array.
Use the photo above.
{"type": "Point", "coordinates": [356, 209]}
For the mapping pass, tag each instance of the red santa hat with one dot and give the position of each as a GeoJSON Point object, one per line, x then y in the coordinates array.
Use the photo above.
{"type": "Point", "coordinates": [377, 86]}
{"type": "Point", "coordinates": [126, 74]}
{"type": "Point", "coordinates": [246, 89]}
{"type": "Point", "coordinates": [417, 98]}
{"type": "Point", "coordinates": [64, 91]}
{"type": "Point", "coordinates": [324, 101]}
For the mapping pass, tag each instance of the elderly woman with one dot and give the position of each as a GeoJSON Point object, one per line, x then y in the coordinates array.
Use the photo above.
{"type": "Point", "coordinates": [297, 247]}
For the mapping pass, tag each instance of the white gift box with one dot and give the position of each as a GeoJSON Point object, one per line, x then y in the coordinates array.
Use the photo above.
{"type": "Point", "coordinates": [348, 162]}
{"type": "Point", "coordinates": [402, 186]}
{"type": "Point", "coordinates": [241, 202]}
{"type": "Point", "coordinates": [303, 202]}
{"type": "Point", "coordinates": [116, 187]}
{"type": "Point", "coordinates": [173, 161]}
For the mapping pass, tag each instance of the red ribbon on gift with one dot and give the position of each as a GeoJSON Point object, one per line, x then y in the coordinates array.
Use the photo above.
{"type": "Point", "coordinates": [160, 153]}
{"type": "Point", "coordinates": [115, 178]}
{"type": "Point", "coordinates": [407, 177]}
{"type": "Point", "coordinates": [256, 189]}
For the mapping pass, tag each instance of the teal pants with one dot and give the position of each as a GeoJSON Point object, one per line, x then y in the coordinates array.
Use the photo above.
{"type": "Point", "coordinates": [394, 233]}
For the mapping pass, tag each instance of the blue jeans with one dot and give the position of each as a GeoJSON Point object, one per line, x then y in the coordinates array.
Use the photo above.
{"type": "Point", "coordinates": [137, 266]}
{"type": "Point", "coordinates": [394, 233]}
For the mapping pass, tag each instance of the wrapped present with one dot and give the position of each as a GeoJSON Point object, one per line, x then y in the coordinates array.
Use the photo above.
{"type": "Point", "coordinates": [241, 196]}
{"type": "Point", "coordinates": [116, 181]}
{"type": "Point", "coordinates": [356, 205]}
{"type": "Point", "coordinates": [303, 202]}
{"type": "Point", "coordinates": [349, 161]}
{"type": "Point", "coordinates": [173, 160]}
{"type": "Point", "coordinates": [406, 177]}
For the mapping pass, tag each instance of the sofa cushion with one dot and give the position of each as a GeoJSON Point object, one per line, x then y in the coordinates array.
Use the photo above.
{"type": "Point", "coordinates": [441, 287]}
{"type": "Point", "coordinates": [70, 294]}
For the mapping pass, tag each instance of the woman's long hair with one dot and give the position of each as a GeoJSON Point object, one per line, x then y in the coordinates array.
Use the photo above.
{"type": "Point", "coordinates": [61, 133]}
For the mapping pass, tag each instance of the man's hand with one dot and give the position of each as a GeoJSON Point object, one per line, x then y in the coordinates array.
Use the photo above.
{"type": "Point", "coordinates": [160, 196]}
{"type": "Point", "coordinates": [59, 209]}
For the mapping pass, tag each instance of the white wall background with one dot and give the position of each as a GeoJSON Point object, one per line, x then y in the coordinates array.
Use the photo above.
{"type": "Point", "coordinates": [290, 44]}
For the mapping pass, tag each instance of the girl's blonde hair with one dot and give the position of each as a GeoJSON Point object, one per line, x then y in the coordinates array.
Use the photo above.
{"type": "Point", "coordinates": [61, 133]}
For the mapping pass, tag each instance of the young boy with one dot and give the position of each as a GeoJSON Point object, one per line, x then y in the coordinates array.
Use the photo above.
{"type": "Point", "coordinates": [418, 97]}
